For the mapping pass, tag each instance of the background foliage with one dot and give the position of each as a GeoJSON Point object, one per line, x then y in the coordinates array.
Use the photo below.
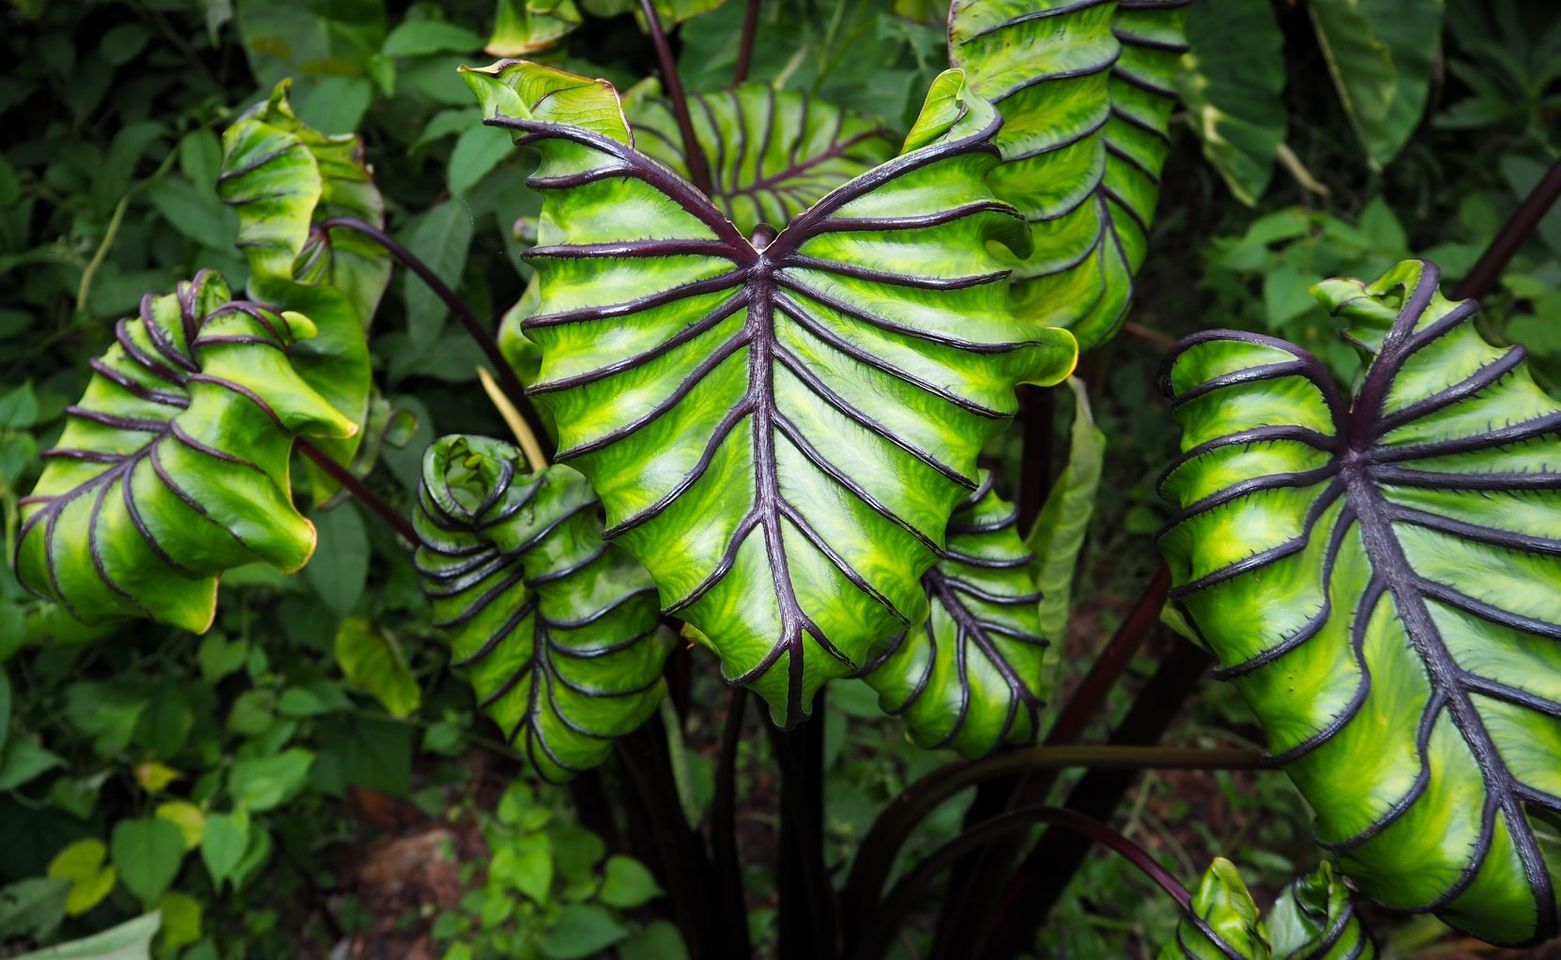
{"type": "Point", "coordinates": [310, 772]}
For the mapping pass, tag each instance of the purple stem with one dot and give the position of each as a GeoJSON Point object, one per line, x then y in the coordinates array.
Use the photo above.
{"type": "Point", "coordinates": [698, 168]}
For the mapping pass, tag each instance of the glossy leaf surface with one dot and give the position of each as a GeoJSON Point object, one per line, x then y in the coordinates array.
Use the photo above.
{"type": "Point", "coordinates": [557, 630]}
{"type": "Point", "coordinates": [174, 465]}
{"type": "Point", "coordinates": [284, 180]}
{"type": "Point", "coordinates": [779, 428]}
{"type": "Point", "coordinates": [968, 677]}
{"type": "Point", "coordinates": [1086, 91]}
{"type": "Point", "coordinates": [771, 153]}
{"type": "Point", "coordinates": [1381, 582]}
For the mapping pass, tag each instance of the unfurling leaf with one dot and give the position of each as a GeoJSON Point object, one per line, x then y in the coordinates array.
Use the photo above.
{"type": "Point", "coordinates": [771, 153]}
{"type": "Point", "coordinates": [968, 677]}
{"type": "Point", "coordinates": [1222, 921]}
{"type": "Point", "coordinates": [778, 427]}
{"type": "Point", "coordinates": [557, 629]}
{"type": "Point", "coordinates": [522, 27]}
{"type": "Point", "coordinates": [1383, 583]}
{"type": "Point", "coordinates": [174, 465]}
{"type": "Point", "coordinates": [1086, 91]}
{"type": "Point", "coordinates": [1313, 919]}
{"type": "Point", "coordinates": [285, 180]}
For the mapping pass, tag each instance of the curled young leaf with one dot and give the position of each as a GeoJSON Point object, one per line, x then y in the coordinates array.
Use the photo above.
{"type": "Point", "coordinates": [779, 427]}
{"type": "Point", "coordinates": [1381, 581]}
{"type": "Point", "coordinates": [1222, 921]}
{"type": "Point", "coordinates": [1085, 90]}
{"type": "Point", "coordinates": [285, 180]}
{"type": "Point", "coordinates": [174, 465]}
{"type": "Point", "coordinates": [772, 153]}
{"type": "Point", "coordinates": [968, 677]}
{"type": "Point", "coordinates": [558, 630]}
{"type": "Point", "coordinates": [1314, 919]}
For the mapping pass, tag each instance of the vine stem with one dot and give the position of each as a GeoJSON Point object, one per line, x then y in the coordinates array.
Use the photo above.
{"type": "Point", "coordinates": [1487, 270]}
{"type": "Point", "coordinates": [876, 853]}
{"type": "Point", "coordinates": [490, 347]}
{"type": "Point", "coordinates": [745, 47]}
{"type": "Point", "coordinates": [909, 891]}
{"type": "Point", "coordinates": [698, 168]}
{"type": "Point", "coordinates": [359, 489]}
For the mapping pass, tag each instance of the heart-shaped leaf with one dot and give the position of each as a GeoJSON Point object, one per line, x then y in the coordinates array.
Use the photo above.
{"type": "Point", "coordinates": [174, 465]}
{"type": "Point", "coordinates": [779, 428]}
{"type": "Point", "coordinates": [1086, 91]}
{"type": "Point", "coordinates": [1383, 584]}
{"type": "Point", "coordinates": [1312, 919]}
{"type": "Point", "coordinates": [285, 180]}
{"type": "Point", "coordinates": [772, 153]}
{"type": "Point", "coordinates": [557, 629]}
{"type": "Point", "coordinates": [968, 677]}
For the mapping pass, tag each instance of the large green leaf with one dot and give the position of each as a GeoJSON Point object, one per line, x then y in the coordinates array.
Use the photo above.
{"type": "Point", "coordinates": [771, 154]}
{"type": "Point", "coordinates": [1086, 90]}
{"type": "Point", "coordinates": [285, 180]}
{"type": "Point", "coordinates": [1381, 54]}
{"type": "Point", "coordinates": [1383, 584]}
{"type": "Point", "coordinates": [779, 427]}
{"type": "Point", "coordinates": [174, 465]}
{"type": "Point", "coordinates": [1232, 79]}
{"type": "Point", "coordinates": [968, 677]}
{"type": "Point", "coordinates": [1312, 919]}
{"type": "Point", "coordinates": [557, 629]}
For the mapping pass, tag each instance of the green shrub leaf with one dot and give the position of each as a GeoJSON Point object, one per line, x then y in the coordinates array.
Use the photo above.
{"type": "Point", "coordinates": [772, 153]}
{"type": "Point", "coordinates": [557, 630]}
{"type": "Point", "coordinates": [174, 465]}
{"type": "Point", "coordinates": [372, 660]}
{"type": "Point", "coordinates": [146, 853]}
{"type": "Point", "coordinates": [968, 677]}
{"type": "Point", "coordinates": [1381, 583]}
{"type": "Point", "coordinates": [778, 427]}
{"type": "Point", "coordinates": [1086, 91]}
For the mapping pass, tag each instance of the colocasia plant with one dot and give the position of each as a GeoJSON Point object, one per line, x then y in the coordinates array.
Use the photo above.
{"type": "Point", "coordinates": [768, 350]}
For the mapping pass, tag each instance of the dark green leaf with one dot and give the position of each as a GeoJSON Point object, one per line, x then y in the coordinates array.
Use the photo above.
{"type": "Point", "coordinates": [1381, 54]}
{"type": "Point", "coordinates": [582, 930]}
{"type": "Point", "coordinates": [146, 852]}
{"type": "Point", "coordinates": [440, 237]}
{"type": "Point", "coordinates": [627, 883]}
{"type": "Point", "coordinates": [340, 566]}
{"type": "Point", "coordinates": [261, 783]}
{"type": "Point", "coordinates": [1231, 81]}
{"type": "Point", "coordinates": [32, 907]}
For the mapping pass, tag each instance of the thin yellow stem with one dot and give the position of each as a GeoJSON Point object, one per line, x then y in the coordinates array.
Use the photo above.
{"type": "Point", "coordinates": [517, 424]}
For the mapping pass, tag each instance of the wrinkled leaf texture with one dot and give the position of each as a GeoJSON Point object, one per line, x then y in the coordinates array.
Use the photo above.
{"type": "Point", "coordinates": [1312, 919]}
{"type": "Point", "coordinates": [1382, 582]}
{"type": "Point", "coordinates": [779, 427]}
